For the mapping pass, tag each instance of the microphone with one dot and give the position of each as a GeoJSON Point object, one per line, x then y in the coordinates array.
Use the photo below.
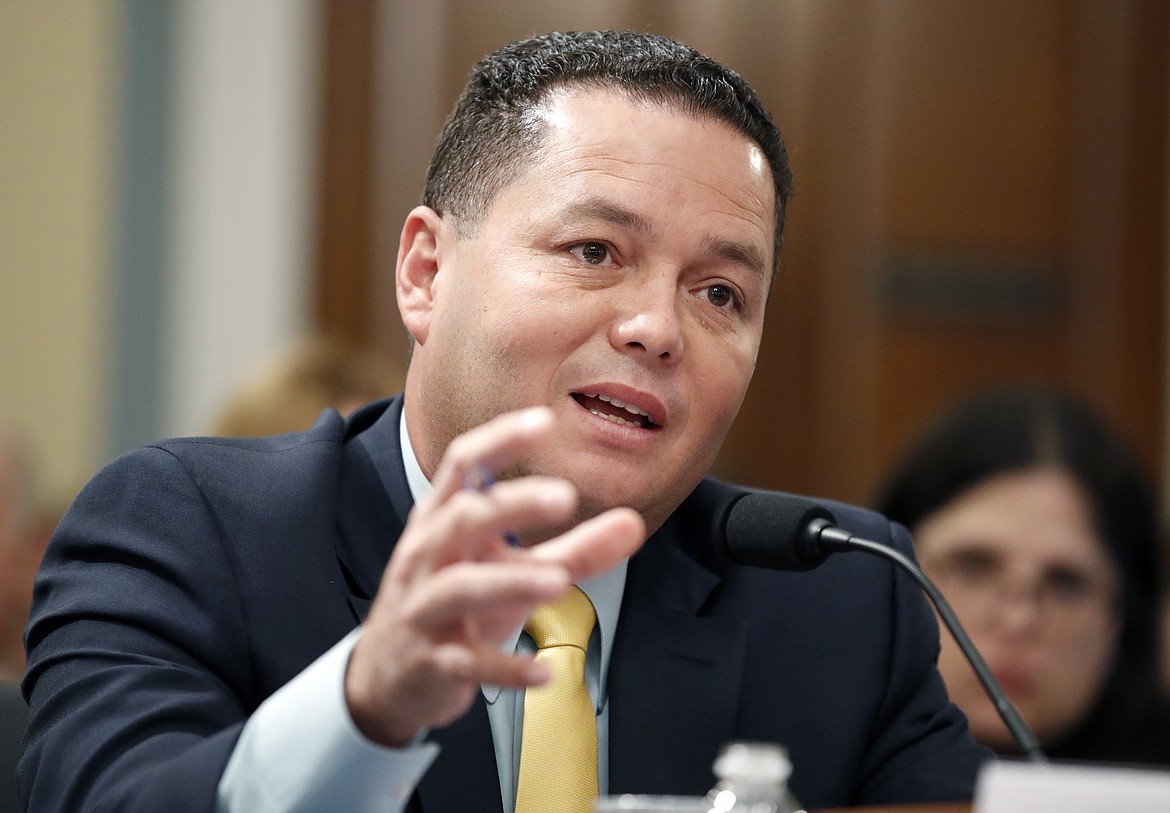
{"type": "Point", "coordinates": [787, 532]}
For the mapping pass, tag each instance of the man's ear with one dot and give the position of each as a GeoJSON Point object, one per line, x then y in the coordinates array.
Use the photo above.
{"type": "Point", "coordinates": [420, 250]}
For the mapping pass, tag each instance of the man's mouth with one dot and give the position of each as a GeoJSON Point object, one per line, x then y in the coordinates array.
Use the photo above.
{"type": "Point", "coordinates": [615, 411]}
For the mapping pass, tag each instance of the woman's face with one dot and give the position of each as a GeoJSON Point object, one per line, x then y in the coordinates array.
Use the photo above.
{"type": "Point", "coordinates": [1020, 560]}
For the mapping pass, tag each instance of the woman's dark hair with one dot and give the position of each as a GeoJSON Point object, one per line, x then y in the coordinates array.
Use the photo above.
{"type": "Point", "coordinates": [492, 134]}
{"type": "Point", "coordinates": [1012, 430]}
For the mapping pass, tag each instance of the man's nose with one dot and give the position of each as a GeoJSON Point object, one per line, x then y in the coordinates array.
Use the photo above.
{"type": "Point", "coordinates": [650, 320]}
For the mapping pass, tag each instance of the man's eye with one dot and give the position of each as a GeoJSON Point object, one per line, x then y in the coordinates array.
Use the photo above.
{"type": "Point", "coordinates": [721, 296]}
{"type": "Point", "coordinates": [592, 253]}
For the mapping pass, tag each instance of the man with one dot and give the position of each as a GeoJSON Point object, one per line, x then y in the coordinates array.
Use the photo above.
{"type": "Point", "coordinates": [585, 289]}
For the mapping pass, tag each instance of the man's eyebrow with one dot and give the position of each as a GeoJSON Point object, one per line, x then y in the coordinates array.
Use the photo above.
{"type": "Point", "coordinates": [739, 253]}
{"type": "Point", "coordinates": [608, 211]}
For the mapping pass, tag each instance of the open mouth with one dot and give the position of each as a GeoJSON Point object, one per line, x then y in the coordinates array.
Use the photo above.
{"type": "Point", "coordinates": [615, 411]}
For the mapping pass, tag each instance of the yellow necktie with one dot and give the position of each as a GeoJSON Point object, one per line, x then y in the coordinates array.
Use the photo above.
{"type": "Point", "coordinates": [558, 747]}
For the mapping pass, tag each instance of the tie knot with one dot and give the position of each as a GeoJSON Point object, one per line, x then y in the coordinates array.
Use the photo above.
{"type": "Point", "coordinates": [567, 621]}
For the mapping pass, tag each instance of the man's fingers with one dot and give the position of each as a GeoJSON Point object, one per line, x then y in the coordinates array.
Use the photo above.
{"type": "Point", "coordinates": [596, 545]}
{"type": "Point", "coordinates": [489, 665]}
{"type": "Point", "coordinates": [517, 505]}
{"type": "Point", "coordinates": [504, 589]}
{"type": "Point", "coordinates": [471, 524]}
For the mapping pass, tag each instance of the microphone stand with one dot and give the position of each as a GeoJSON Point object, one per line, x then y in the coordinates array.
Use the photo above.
{"type": "Point", "coordinates": [833, 538]}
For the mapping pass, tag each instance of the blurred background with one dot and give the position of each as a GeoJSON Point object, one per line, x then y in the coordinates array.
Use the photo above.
{"type": "Point", "coordinates": [187, 187]}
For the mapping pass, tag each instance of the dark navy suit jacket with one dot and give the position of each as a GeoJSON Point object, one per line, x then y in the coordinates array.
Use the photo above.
{"type": "Point", "coordinates": [192, 579]}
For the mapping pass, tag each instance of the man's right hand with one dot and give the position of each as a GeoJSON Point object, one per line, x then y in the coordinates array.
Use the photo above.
{"type": "Point", "coordinates": [453, 590]}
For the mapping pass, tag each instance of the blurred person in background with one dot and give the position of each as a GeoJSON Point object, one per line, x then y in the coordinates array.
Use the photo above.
{"type": "Point", "coordinates": [291, 391]}
{"type": "Point", "coordinates": [24, 532]}
{"type": "Point", "coordinates": [1039, 525]}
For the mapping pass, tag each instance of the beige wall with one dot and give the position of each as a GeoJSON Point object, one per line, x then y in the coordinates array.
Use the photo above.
{"type": "Point", "coordinates": [57, 107]}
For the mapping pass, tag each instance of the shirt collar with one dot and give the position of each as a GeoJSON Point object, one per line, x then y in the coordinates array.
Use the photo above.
{"type": "Point", "coordinates": [420, 486]}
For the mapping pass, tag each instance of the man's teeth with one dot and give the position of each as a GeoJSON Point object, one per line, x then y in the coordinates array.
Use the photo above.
{"type": "Point", "coordinates": [615, 419]}
{"type": "Point", "coordinates": [623, 405]}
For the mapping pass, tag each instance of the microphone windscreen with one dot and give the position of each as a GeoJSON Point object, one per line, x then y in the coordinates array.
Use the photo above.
{"type": "Point", "coordinates": [773, 530]}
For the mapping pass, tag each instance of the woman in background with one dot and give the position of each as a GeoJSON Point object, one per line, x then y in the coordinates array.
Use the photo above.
{"type": "Point", "coordinates": [1039, 526]}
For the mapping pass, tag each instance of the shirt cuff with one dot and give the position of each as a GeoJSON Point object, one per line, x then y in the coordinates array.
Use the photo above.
{"type": "Point", "coordinates": [301, 751]}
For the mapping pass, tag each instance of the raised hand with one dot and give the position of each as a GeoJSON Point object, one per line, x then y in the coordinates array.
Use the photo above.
{"type": "Point", "coordinates": [454, 589]}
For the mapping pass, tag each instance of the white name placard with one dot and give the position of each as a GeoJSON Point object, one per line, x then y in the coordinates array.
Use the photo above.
{"type": "Point", "coordinates": [1021, 787]}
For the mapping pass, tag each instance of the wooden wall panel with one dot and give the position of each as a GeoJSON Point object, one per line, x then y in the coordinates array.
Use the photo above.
{"type": "Point", "coordinates": [345, 242]}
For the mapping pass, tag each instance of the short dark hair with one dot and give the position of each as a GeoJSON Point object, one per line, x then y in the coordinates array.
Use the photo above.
{"type": "Point", "coordinates": [1013, 429]}
{"type": "Point", "coordinates": [491, 132]}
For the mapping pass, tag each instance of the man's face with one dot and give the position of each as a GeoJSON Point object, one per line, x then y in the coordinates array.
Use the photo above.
{"type": "Point", "coordinates": [621, 280]}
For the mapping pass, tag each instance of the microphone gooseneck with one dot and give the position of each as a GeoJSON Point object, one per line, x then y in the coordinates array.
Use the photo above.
{"type": "Point", "coordinates": [786, 532]}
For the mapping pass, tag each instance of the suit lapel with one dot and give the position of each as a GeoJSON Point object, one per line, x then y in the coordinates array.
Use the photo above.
{"type": "Point", "coordinates": [675, 674]}
{"type": "Point", "coordinates": [373, 503]}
